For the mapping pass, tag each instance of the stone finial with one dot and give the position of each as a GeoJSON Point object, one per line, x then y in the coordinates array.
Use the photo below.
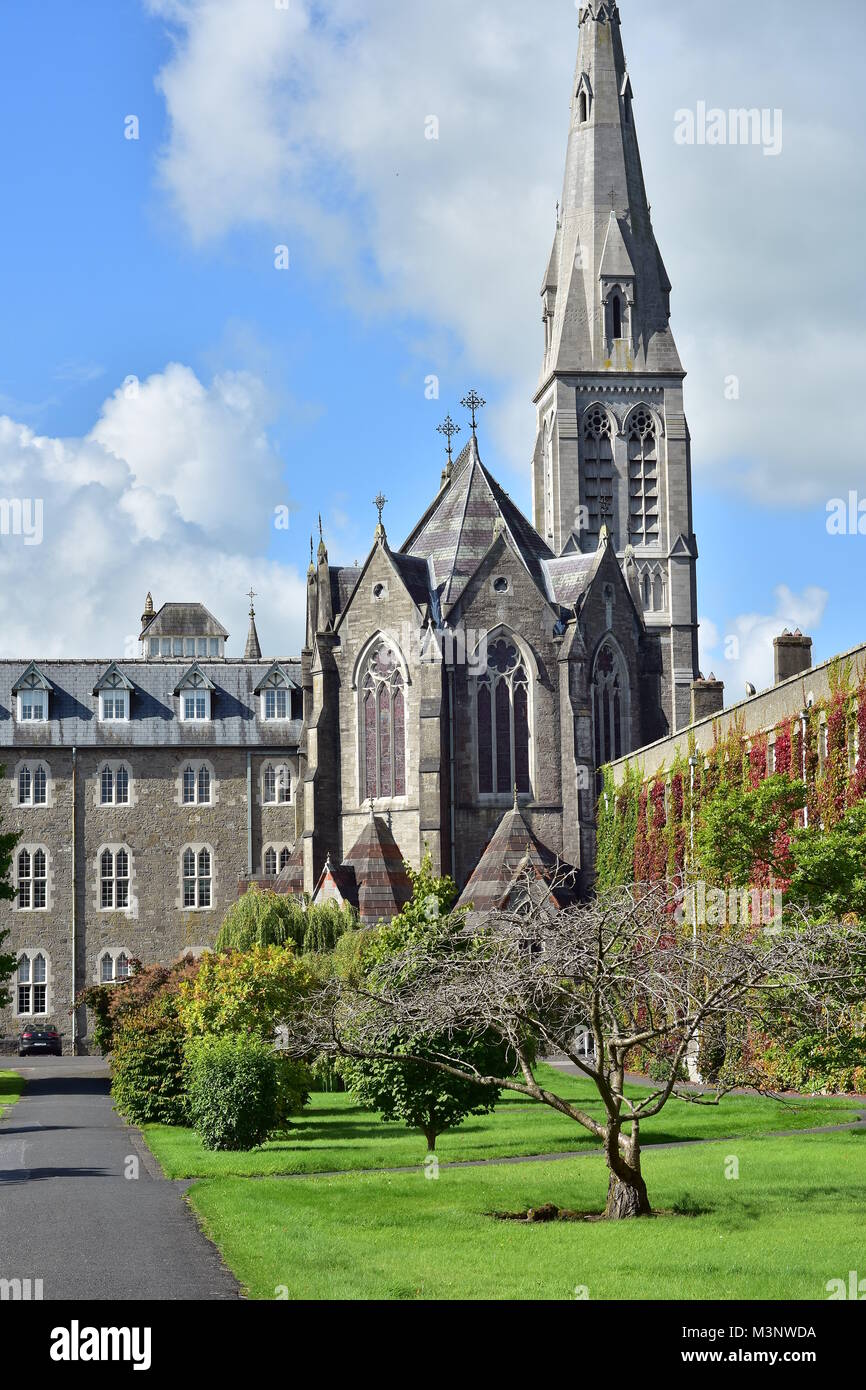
{"type": "Point", "coordinates": [147, 615]}
{"type": "Point", "coordinates": [323, 550]}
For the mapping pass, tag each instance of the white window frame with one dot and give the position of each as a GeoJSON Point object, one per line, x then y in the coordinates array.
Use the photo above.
{"type": "Point", "coordinates": [282, 854]}
{"type": "Point", "coordinates": [33, 699]}
{"type": "Point", "coordinates": [283, 781]}
{"type": "Point", "coordinates": [113, 696]}
{"type": "Point", "coordinates": [31, 984]}
{"type": "Point", "coordinates": [30, 880]}
{"type": "Point", "coordinates": [113, 770]}
{"type": "Point", "coordinates": [119, 884]}
{"type": "Point", "coordinates": [195, 694]}
{"type": "Point", "coordinates": [113, 958]}
{"type": "Point", "coordinates": [30, 769]}
{"type": "Point", "coordinates": [274, 692]}
{"type": "Point", "coordinates": [202, 884]}
{"type": "Point", "coordinates": [197, 769]}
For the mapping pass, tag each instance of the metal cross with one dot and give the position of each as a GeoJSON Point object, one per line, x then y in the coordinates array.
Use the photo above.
{"type": "Point", "coordinates": [473, 402]}
{"type": "Point", "coordinates": [606, 505]}
{"type": "Point", "coordinates": [252, 595]}
{"type": "Point", "coordinates": [380, 503]}
{"type": "Point", "coordinates": [449, 429]}
{"type": "Point", "coordinates": [612, 192]}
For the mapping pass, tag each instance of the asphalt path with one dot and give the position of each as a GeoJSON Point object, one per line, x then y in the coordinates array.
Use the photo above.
{"type": "Point", "coordinates": [83, 1204]}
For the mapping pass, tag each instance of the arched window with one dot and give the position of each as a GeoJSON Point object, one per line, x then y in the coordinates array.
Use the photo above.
{"type": "Point", "coordinates": [25, 783]}
{"type": "Point", "coordinates": [383, 725]}
{"type": "Point", "coordinates": [114, 879]}
{"type": "Point", "coordinates": [32, 784]}
{"type": "Point", "coordinates": [597, 469]}
{"type": "Point", "coordinates": [32, 880]}
{"type": "Point", "coordinates": [32, 984]}
{"type": "Point", "coordinates": [196, 784]}
{"type": "Point", "coordinates": [106, 969]}
{"type": "Point", "coordinates": [616, 313]}
{"type": "Point", "coordinates": [610, 706]}
{"type": "Point", "coordinates": [197, 878]}
{"type": "Point", "coordinates": [276, 785]}
{"type": "Point", "coordinates": [270, 863]}
{"type": "Point", "coordinates": [645, 589]}
{"type": "Point", "coordinates": [285, 856]}
{"type": "Point", "coordinates": [122, 966]}
{"type": "Point", "coordinates": [502, 723]}
{"type": "Point", "coordinates": [114, 785]}
{"type": "Point", "coordinates": [643, 484]}
{"type": "Point", "coordinates": [583, 108]}
{"type": "Point", "coordinates": [548, 480]}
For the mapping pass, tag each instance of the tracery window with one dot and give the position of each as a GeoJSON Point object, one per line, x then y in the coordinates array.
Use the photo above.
{"type": "Point", "coordinates": [502, 722]}
{"type": "Point", "coordinates": [610, 705]}
{"type": "Point", "coordinates": [32, 785]}
{"type": "Point", "coordinates": [643, 484]}
{"type": "Point", "coordinates": [597, 468]}
{"type": "Point", "coordinates": [114, 785]}
{"type": "Point", "coordinates": [383, 725]}
{"type": "Point", "coordinates": [32, 984]}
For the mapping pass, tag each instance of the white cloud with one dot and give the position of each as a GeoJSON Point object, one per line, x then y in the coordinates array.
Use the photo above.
{"type": "Point", "coordinates": [744, 651]}
{"type": "Point", "coordinates": [174, 489]}
{"type": "Point", "coordinates": [310, 120]}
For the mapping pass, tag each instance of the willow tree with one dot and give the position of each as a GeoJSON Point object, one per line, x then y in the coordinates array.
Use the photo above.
{"type": "Point", "coordinates": [622, 970]}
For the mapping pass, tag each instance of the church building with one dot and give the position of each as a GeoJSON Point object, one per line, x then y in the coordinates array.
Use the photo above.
{"type": "Point", "coordinates": [456, 692]}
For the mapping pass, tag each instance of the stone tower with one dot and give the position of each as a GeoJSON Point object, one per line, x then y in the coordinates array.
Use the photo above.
{"type": "Point", "coordinates": [613, 444]}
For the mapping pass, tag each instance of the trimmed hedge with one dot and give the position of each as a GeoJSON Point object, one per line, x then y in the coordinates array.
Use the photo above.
{"type": "Point", "coordinates": [233, 1089]}
{"type": "Point", "coordinates": [147, 1066]}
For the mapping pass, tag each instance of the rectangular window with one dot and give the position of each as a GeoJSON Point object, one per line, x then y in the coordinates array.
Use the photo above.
{"type": "Point", "coordinates": [166, 646]}
{"type": "Point", "coordinates": [202, 646]}
{"type": "Point", "coordinates": [178, 646]}
{"type": "Point", "coordinates": [195, 706]}
{"type": "Point", "coordinates": [23, 999]}
{"type": "Point", "coordinates": [190, 646]}
{"type": "Point", "coordinates": [32, 705]}
{"type": "Point", "coordinates": [277, 703]}
{"type": "Point", "coordinates": [214, 646]}
{"type": "Point", "coordinates": [39, 994]}
{"type": "Point", "coordinates": [154, 646]}
{"type": "Point", "coordinates": [114, 705]}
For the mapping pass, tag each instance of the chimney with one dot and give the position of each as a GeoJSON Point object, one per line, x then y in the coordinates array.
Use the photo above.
{"type": "Point", "coordinates": [708, 697]}
{"type": "Point", "coordinates": [792, 653]}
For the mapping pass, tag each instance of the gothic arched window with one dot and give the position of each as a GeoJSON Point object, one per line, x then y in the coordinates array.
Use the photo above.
{"type": "Point", "coordinates": [583, 108]}
{"type": "Point", "coordinates": [616, 305]}
{"type": "Point", "coordinates": [643, 478]}
{"type": "Point", "coordinates": [597, 468]}
{"type": "Point", "coordinates": [610, 705]}
{"type": "Point", "coordinates": [548, 481]}
{"type": "Point", "coordinates": [502, 723]}
{"type": "Point", "coordinates": [383, 725]}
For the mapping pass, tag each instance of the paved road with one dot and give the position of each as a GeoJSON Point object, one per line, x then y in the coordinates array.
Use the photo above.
{"type": "Point", "coordinates": [70, 1217]}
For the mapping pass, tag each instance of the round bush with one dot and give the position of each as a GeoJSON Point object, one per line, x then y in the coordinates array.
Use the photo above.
{"type": "Point", "coordinates": [233, 1090]}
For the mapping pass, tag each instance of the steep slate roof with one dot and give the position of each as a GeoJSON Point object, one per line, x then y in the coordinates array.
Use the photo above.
{"type": "Point", "coordinates": [74, 709]}
{"type": "Point", "coordinates": [512, 852]}
{"type": "Point", "coordinates": [384, 886]}
{"type": "Point", "coordinates": [343, 580]}
{"type": "Point", "coordinates": [184, 620]}
{"type": "Point", "coordinates": [340, 879]}
{"type": "Point", "coordinates": [457, 531]}
{"type": "Point", "coordinates": [569, 576]}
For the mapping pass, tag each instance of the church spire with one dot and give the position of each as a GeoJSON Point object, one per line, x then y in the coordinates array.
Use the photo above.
{"type": "Point", "coordinates": [252, 651]}
{"type": "Point", "coordinates": [606, 292]}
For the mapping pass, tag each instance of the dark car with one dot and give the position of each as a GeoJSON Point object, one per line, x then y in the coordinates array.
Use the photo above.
{"type": "Point", "coordinates": [40, 1039]}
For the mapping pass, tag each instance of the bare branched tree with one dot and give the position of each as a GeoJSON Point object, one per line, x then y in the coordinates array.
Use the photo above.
{"type": "Point", "coordinates": [603, 983]}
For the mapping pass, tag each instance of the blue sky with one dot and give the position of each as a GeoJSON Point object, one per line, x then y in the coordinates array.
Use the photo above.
{"type": "Point", "coordinates": [154, 259]}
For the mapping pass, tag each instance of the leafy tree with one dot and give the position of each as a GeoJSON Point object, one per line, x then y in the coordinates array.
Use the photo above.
{"type": "Point", "coordinates": [829, 875]}
{"type": "Point", "coordinates": [252, 992]}
{"type": "Point", "coordinates": [739, 828]}
{"type": "Point", "coordinates": [408, 1092]}
{"type": "Point", "coordinates": [115, 1005]}
{"type": "Point", "coordinates": [264, 918]}
{"type": "Point", "coordinates": [621, 967]}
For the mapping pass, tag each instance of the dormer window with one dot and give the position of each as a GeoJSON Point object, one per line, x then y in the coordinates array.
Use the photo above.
{"type": "Point", "coordinates": [584, 99]}
{"type": "Point", "coordinates": [194, 692]}
{"type": "Point", "coordinates": [33, 705]}
{"type": "Point", "coordinates": [182, 630]}
{"type": "Point", "coordinates": [114, 691]}
{"type": "Point", "coordinates": [32, 690]}
{"type": "Point", "coordinates": [279, 695]}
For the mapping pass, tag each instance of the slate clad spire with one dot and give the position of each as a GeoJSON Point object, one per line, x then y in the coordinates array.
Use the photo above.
{"type": "Point", "coordinates": [252, 651]}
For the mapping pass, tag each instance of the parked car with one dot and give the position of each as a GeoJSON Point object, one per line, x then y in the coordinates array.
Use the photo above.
{"type": "Point", "coordinates": [43, 1038]}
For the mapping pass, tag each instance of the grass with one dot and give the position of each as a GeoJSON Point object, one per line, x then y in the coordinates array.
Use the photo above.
{"type": "Point", "coordinates": [334, 1134]}
{"type": "Point", "coordinates": [11, 1086]}
{"type": "Point", "coordinates": [791, 1222]}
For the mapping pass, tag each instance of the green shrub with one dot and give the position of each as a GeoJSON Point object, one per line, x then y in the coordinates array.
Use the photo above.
{"type": "Point", "coordinates": [147, 1066]}
{"type": "Point", "coordinates": [234, 1090]}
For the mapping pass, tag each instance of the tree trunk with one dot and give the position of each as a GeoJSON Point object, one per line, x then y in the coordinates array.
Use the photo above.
{"type": "Point", "coordinates": [627, 1196]}
{"type": "Point", "coordinates": [430, 1136]}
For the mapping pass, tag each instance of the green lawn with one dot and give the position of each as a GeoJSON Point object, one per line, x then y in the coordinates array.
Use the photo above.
{"type": "Point", "coordinates": [335, 1134]}
{"type": "Point", "coordinates": [792, 1221]}
{"type": "Point", "coordinates": [11, 1086]}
